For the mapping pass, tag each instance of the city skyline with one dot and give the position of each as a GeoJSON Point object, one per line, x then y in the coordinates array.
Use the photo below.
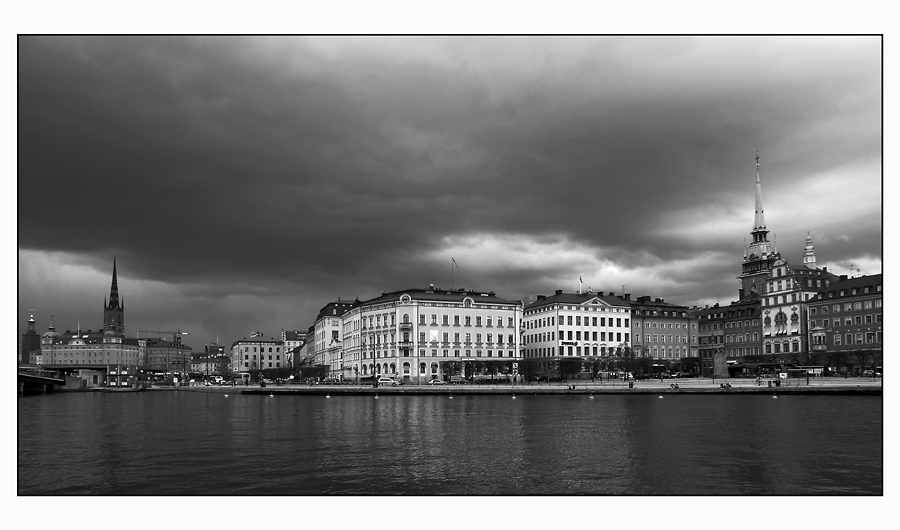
{"type": "Point", "coordinates": [243, 183]}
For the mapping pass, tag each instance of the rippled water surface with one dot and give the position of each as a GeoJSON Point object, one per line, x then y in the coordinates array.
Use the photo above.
{"type": "Point", "coordinates": [192, 443]}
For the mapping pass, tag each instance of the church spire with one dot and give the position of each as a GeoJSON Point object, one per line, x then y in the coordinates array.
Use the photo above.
{"type": "Point", "coordinates": [114, 289]}
{"type": "Point", "coordinates": [759, 220]}
{"type": "Point", "coordinates": [114, 311]}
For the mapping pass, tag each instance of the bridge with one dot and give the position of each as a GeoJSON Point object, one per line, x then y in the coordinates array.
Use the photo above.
{"type": "Point", "coordinates": [33, 380]}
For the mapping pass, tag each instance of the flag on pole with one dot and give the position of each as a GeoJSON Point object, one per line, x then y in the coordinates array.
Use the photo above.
{"type": "Point", "coordinates": [454, 262]}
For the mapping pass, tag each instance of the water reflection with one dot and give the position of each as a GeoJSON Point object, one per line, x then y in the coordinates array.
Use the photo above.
{"type": "Point", "coordinates": [171, 443]}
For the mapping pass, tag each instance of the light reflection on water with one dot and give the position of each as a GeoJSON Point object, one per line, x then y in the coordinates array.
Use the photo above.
{"type": "Point", "coordinates": [184, 443]}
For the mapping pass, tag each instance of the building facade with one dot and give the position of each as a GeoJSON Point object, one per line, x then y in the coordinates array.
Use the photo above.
{"type": "Point", "coordinates": [256, 353]}
{"type": "Point", "coordinates": [663, 331]}
{"type": "Point", "coordinates": [329, 351]}
{"type": "Point", "coordinates": [416, 335]}
{"type": "Point", "coordinates": [588, 326]}
{"type": "Point", "coordinates": [846, 324]}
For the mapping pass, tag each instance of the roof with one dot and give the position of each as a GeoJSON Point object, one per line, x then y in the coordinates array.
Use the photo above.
{"type": "Point", "coordinates": [294, 335]}
{"type": "Point", "coordinates": [442, 295]}
{"type": "Point", "coordinates": [578, 299]}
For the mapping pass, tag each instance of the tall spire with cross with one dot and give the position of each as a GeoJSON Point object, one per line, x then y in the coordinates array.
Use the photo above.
{"type": "Point", "coordinates": [114, 310]}
{"type": "Point", "coordinates": [760, 256]}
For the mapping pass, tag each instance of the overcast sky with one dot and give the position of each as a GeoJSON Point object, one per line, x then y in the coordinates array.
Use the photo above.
{"type": "Point", "coordinates": [243, 183]}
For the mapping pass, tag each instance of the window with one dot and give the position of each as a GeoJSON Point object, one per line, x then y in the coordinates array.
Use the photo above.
{"type": "Point", "coordinates": [421, 319]}
{"type": "Point", "coordinates": [478, 321]}
{"type": "Point", "coordinates": [468, 320]}
{"type": "Point", "coordinates": [421, 336]}
{"type": "Point", "coordinates": [434, 320]}
{"type": "Point", "coordinates": [489, 320]}
{"type": "Point", "coordinates": [446, 320]}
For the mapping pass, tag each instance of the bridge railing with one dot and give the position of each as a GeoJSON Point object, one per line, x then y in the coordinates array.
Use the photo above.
{"type": "Point", "coordinates": [37, 372]}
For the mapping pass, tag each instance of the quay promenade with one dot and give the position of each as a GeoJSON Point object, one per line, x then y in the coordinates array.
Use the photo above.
{"type": "Point", "coordinates": [850, 386]}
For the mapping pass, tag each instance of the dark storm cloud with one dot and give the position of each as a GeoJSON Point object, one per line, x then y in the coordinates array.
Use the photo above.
{"type": "Point", "coordinates": [308, 166]}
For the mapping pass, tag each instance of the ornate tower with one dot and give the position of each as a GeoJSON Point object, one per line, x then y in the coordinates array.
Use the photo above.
{"type": "Point", "coordinates": [809, 253]}
{"type": "Point", "coordinates": [30, 341]}
{"type": "Point", "coordinates": [114, 310]}
{"type": "Point", "coordinates": [758, 260]}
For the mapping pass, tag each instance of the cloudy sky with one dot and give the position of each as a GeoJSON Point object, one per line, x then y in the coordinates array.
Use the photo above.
{"type": "Point", "coordinates": [243, 183]}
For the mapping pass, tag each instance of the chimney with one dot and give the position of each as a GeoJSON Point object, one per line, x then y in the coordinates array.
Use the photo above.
{"type": "Point", "coordinates": [541, 297]}
{"type": "Point", "coordinates": [843, 277]}
{"type": "Point", "coordinates": [628, 296]}
{"type": "Point", "coordinates": [558, 292]}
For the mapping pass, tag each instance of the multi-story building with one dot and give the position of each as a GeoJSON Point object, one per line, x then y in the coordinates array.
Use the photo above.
{"type": "Point", "coordinates": [845, 323]}
{"type": "Point", "coordinates": [166, 357]}
{"type": "Point", "coordinates": [421, 334]}
{"type": "Point", "coordinates": [329, 353]}
{"type": "Point", "coordinates": [213, 361]}
{"type": "Point", "coordinates": [588, 326]}
{"type": "Point", "coordinates": [741, 329]}
{"type": "Point", "coordinates": [711, 338]}
{"type": "Point", "coordinates": [106, 349]}
{"type": "Point", "coordinates": [662, 331]}
{"type": "Point", "coordinates": [256, 353]}
{"type": "Point", "coordinates": [293, 343]}
{"type": "Point", "coordinates": [784, 303]}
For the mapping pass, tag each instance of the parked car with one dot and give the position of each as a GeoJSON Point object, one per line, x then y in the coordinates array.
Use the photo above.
{"type": "Point", "coordinates": [458, 380]}
{"type": "Point", "coordinates": [387, 381]}
{"type": "Point", "coordinates": [436, 382]}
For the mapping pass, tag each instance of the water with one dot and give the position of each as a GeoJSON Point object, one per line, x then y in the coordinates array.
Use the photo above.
{"type": "Point", "coordinates": [194, 443]}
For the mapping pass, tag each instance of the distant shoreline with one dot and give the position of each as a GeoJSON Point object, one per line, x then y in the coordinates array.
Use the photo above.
{"type": "Point", "coordinates": [686, 386]}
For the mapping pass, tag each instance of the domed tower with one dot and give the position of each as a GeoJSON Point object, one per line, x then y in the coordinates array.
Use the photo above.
{"type": "Point", "coordinates": [809, 253]}
{"type": "Point", "coordinates": [114, 310]}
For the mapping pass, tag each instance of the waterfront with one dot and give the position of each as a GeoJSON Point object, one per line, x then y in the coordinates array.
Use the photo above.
{"type": "Point", "coordinates": [193, 443]}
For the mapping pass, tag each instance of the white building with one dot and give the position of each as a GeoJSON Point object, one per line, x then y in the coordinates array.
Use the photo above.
{"type": "Point", "coordinates": [576, 325]}
{"type": "Point", "coordinates": [417, 335]}
{"type": "Point", "coordinates": [256, 353]}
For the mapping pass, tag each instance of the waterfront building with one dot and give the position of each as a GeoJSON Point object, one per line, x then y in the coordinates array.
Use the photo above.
{"type": "Point", "coordinates": [663, 331]}
{"type": "Point", "coordinates": [417, 335]}
{"type": "Point", "coordinates": [845, 324]}
{"type": "Point", "coordinates": [588, 326]}
{"type": "Point", "coordinates": [293, 341]}
{"type": "Point", "coordinates": [106, 349]}
{"type": "Point", "coordinates": [164, 357]}
{"type": "Point", "coordinates": [213, 361]}
{"type": "Point", "coordinates": [784, 304]}
{"type": "Point", "coordinates": [256, 353]}
{"type": "Point", "coordinates": [329, 354]}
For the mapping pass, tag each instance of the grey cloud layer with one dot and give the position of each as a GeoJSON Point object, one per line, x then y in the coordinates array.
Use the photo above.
{"type": "Point", "coordinates": [256, 159]}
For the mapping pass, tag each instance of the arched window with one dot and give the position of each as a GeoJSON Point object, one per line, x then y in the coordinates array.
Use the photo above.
{"type": "Point", "coordinates": [421, 368]}
{"type": "Point", "coordinates": [434, 368]}
{"type": "Point", "coordinates": [393, 368]}
{"type": "Point", "coordinates": [405, 368]}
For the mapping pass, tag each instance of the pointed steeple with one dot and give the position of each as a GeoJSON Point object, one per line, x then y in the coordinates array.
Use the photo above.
{"type": "Point", "coordinates": [114, 290]}
{"type": "Point", "coordinates": [759, 247]}
{"type": "Point", "coordinates": [809, 253]}
{"type": "Point", "coordinates": [759, 220]}
{"type": "Point", "coordinates": [113, 310]}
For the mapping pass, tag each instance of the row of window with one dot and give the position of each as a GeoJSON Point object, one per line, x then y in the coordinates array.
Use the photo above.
{"type": "Point", "coordinates": [550, 351]}
{"type": "Point", "coordinates": [870, 337]}
{"type": "Point", "coordinates": [588, 335]}
{"type": "Point", "coordinates": [855, 306]}
{"type": "Point", "coordinates": [662, 338]}
{"type": "Point", "coordinates": [857, 320]}
{"type": "Point", "coordinates": [551, 321]}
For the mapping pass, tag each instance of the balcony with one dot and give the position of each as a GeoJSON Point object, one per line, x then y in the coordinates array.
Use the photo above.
{"type": "Point", "coordinates": [404, 344]}
{"type": "Point", "coordinates": [406, 326]}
